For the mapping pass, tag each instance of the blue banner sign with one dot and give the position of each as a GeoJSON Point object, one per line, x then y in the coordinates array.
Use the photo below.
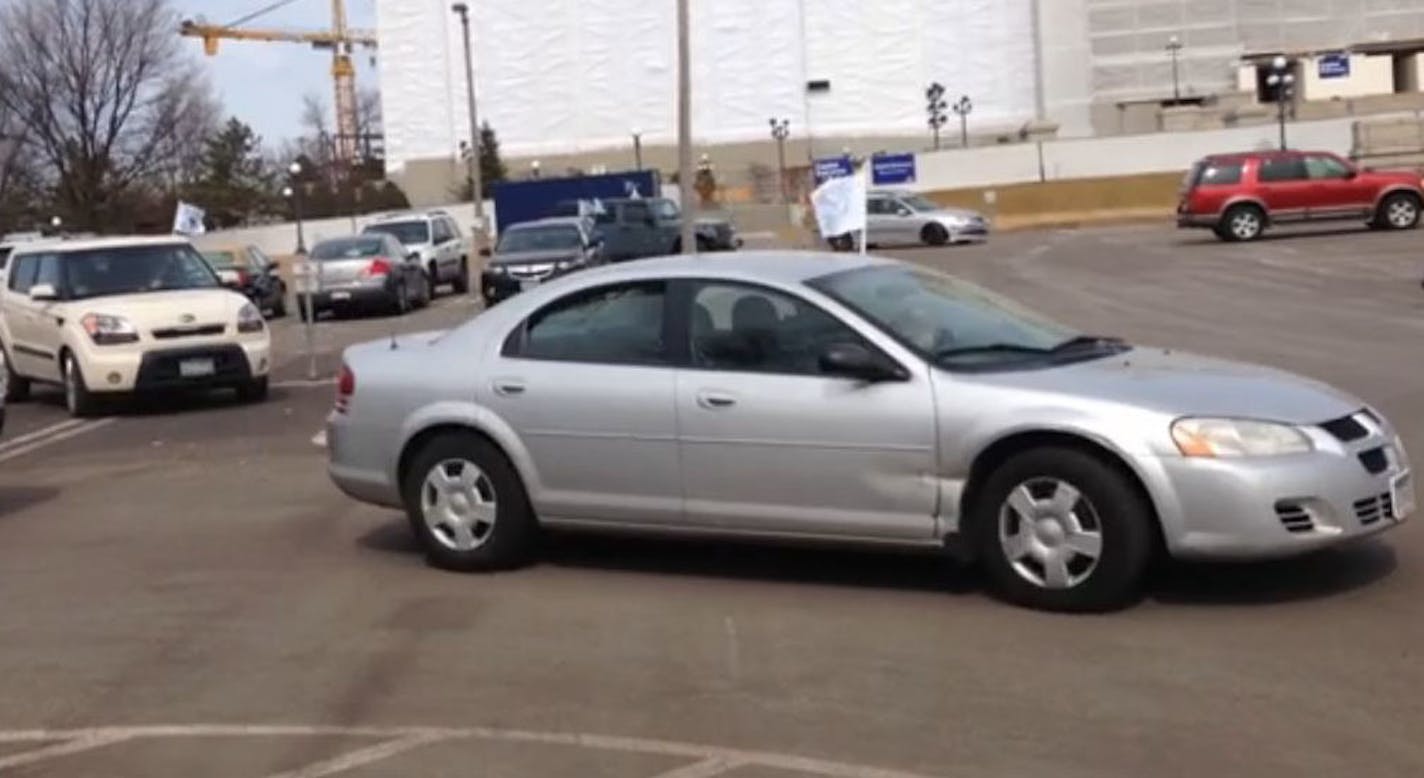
{"type": "Point", "coordinates": [1336, 65]}
{"type": "Point", "coordinates": [832, 167]}
{"type": "Point", "coordinates": [893, 169]}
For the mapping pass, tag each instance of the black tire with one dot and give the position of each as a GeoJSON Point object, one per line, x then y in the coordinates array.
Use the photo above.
{"type": "Point", "coordinates": [934, 235]}
{"type": "Point", "coordinates": [512, 537]}
{"type": "Point", "coordinates": [254, 391]}
{"type": "Point", "coordinates": [432, 274]}
{"type": "Point", "coordinates": [1398, 211]}
{"type": "Point", "coordinates": [279, 306]}
{"type": "Point", "coordinates": [400, 301]}
{"type": "Point", "coordinates": [461, 284]}
{"type": "Point", "coordinates": [1235, 225]}
{"type": "Point", "coordinates": [842, 242]}
{"type": "Point", "coordinates": [78, 400]}
{"type": "Point", "coordinates": [1109, 499]}
{"type": "Point", "coordinates": [422, 300]}
{"type": "Point", "coordinates": [17, 388]}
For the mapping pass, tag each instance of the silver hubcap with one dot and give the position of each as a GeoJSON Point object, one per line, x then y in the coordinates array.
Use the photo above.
{"type": "Point", "coordinates": [1050, 533]}
{"type": "Point", "coordinates": [1245, 225]}
{"type": "Point", "coordinates": [457, 502]}
{"type": "Point", "coordinates": [1402, 213]}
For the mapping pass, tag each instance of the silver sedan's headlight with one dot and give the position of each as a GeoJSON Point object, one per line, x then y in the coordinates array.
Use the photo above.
{"type": "Point", "coordinates": [1205, 437]}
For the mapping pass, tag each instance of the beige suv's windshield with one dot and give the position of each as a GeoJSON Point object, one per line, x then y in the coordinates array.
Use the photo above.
{"type": "Point", "coordinates": [127, 270]}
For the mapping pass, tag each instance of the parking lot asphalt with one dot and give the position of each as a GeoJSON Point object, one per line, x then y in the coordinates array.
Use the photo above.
{"type": "Point", "coordinates": [184, 593]}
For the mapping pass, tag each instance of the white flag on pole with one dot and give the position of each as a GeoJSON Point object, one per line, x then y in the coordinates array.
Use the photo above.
{"type": "Point", "coordinates": [188, 220]}
{"type": "Point", "coordinates": [840, 205]}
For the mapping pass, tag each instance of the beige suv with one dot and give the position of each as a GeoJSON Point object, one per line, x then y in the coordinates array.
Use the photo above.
{"type": "Point", "coordinates": [124, 315]}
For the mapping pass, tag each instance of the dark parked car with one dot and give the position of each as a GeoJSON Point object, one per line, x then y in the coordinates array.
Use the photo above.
{"type": "Point", "coordinates": [363, 272]}
{"type": "Point", "coordinates": [531, 253]}
{"type": "Point", "coordinates": [633, 228]}
{"type": "Point", "coordinates": [1239, 195]}
{"type": "Point", "coordinates": [246, 269]}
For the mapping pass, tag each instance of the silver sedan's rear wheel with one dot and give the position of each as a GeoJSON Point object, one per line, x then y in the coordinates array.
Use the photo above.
{"type": "Point", "coordinates": [1063, 529]}
{"type": "Point", "coordinates": [467, 505]}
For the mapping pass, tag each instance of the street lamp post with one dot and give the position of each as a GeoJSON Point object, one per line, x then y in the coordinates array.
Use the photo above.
{"type": "Point", "coordinates": [296, 170]}
{"type": "Point", "coordinates": [534, 169]}
{"type": "Point", "coordinates": [637, 150]}
{"type": "Point", "coordinates": [688, 229]}
{"type": "Point", "coordinates": [1174, 48]}
{"type": "Point", "coordinates": [963, 106]}
{"type": "Point", "coordinates": [56, 223]}
{"type": "Point", "coordinates": [476, 185]}
{"type": "Point", "coordinates": [1283, 82]}
{"type": "Point", "coordinates": [303, 271]}
{"type": "Point", "coordinates": [934, 96]}
{"type": "Point", "coordinates": [781, 130]}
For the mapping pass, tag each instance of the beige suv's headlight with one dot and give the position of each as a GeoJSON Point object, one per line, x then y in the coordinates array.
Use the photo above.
{"type": "Point", "coordinates": [1207, 437]}
{"type": "Point", "coordinates": [249, 319]}
{"type": "Point", "coordinates": [106, 330]}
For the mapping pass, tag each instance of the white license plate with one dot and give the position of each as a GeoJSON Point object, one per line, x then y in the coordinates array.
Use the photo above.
{"type": "Point", "coordinates": [524, 285]}
{"type": "Point", "coordinates": [196, 368]}
{"type": "Point", "coordinates": [1401, 493]}
{"type": "Point", "coordinates": [341, 295]}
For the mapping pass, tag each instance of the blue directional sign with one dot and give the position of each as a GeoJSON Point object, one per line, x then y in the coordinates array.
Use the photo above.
{"type": "Point", "coordinates": [1334, 65]}
{"type": "Point", "coordinates": [832, 167]}
{"type": "Point", "coordinates": [893, 169]}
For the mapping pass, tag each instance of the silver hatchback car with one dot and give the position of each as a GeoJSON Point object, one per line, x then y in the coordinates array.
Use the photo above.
{"type": "Point", "coordinates": [826, 397]}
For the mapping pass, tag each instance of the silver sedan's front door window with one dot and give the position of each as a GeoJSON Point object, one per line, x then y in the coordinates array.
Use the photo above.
{"type": "Point", "coordinates": [586, 385]}
{"type": "Point", "coordinates": [770, 443]}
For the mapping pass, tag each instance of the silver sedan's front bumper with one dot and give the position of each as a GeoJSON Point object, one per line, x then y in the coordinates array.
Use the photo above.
{"type": "Point", "coordinates": [1277, 507]}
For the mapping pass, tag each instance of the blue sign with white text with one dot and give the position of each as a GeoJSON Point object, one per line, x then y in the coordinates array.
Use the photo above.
{"type": "Point", "coordinates": [893, 169]}
{"type": "Point", "coordinates": [1335, 65]}
{"type": "Point", "coordinates": [832, 167]}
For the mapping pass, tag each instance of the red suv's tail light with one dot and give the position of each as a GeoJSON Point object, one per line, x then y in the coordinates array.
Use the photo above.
{"type": "Point", "coordinates": [345, 387]}
{"type": "Point", "coordinates": [379, 266]}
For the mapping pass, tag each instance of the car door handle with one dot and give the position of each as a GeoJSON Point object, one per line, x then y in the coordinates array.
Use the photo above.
{"type": "Point", "coordinates": [715, 400]}
{"type": "Point", "coordinates": [508, 387]}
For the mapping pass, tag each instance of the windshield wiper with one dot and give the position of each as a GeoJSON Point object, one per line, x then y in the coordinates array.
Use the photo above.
{"type": "Point", "coordinates": [989, 348]}
{"type": "Point", "coordinates": [1088, 343]}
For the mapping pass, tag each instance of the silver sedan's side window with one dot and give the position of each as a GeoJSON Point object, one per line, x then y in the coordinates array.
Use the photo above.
{"type": "Point", "coordinates": [753, 329]}
{"type": "Point", "coordinates": [618, 324]}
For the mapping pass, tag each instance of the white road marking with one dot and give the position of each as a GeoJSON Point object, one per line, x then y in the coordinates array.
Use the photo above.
{"type": "Point", "coordinates": [362, 756]}
{"type": "Point", "coordinates": [71, 746]}
{"type": "Point", "coordinates": [411, 737]}
{"type": "Point", "coordinates": [707, 768]}
{"type": "Point", "coordinates": [39, 433]}
{"type": "Point", "coordinates": [62, 435]}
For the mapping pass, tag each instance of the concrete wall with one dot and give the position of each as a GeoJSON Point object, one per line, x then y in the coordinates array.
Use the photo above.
{"type": "Point", "coordinates": [1369, 75]}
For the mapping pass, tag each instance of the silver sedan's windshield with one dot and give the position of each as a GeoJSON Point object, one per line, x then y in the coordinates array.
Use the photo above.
{"type": "Point", "coordinates": [951, 322]}
{"type": "Point", "coordinates": [920, 203]}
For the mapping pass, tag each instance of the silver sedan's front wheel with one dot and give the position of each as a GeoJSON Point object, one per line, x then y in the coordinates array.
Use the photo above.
{"type": "Point", "coordinates": [466, 503]}
{"type": "Point", "coordinates": [1063, 528]}
{"type": "Point", "coordinates": [1050, 533]}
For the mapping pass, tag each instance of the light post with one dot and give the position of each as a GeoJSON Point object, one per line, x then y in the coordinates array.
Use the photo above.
{"type": "Point", "coordinates": [534, 169]}
{"type": "Point", "coordinates": [296, 189]}
{"type": "Point", "coordinates": [1174, 48]}
{"type": "Point", "coordinates": [963, 106]}
{"type": "Point", "coordinates": [56, 223]}
{"type": "Point", "coordinates": [476, 185]}
{"type": "Point", "coordinates": [781, 130]}
{"type": "Point", "coordinates": [1282, 81]}
{"type": "Point", "coordinates": [637, 150]}
{"type": "Point", "coordinates": [688, 231]}
{"type": "Point", "coordinates": [934, 95]}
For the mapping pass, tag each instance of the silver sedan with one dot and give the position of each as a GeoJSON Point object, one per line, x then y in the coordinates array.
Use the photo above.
{"type": "Point", "coordinates": [824, 397]}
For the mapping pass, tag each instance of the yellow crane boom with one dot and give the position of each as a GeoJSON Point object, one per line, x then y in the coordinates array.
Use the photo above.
{"type": "Point", "coordinates": [341, 39]}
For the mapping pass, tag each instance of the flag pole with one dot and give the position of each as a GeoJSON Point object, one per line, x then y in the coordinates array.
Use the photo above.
{"type": "Point", "coordinates": [864, 205]}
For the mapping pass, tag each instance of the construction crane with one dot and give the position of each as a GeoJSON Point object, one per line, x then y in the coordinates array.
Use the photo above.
{"type": "Point", "coordinates": [341, 39]}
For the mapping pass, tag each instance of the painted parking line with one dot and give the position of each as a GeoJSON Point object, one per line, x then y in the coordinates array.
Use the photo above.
{"type": "Point", "coordinates": [19, 440]}
{"type": "Point", "coordinates": [704, 761]}
{"type": "Point", "coordinates": [55, 433]}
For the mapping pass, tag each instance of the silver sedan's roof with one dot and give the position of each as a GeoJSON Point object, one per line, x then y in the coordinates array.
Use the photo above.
{"type": "Point", "coordinates": [786, 267]}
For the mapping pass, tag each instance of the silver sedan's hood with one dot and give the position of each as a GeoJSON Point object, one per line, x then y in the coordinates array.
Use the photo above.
{"type": "Point", "coordinates": [957, 214]}
{"type": "Point", "coordinates": [1183, 384]}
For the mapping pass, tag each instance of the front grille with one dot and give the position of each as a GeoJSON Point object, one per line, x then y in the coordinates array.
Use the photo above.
{"type": "Point", "coordinates": [161, 369]}
{"type": "Point", "coordinates": [1345, 429]}
{"type": "Point", "coordinates": [170, 333]}
{"type": "Point", "coordinates": [1375, 460]}
{"type": "Point", "coordinates": [1372, 509]}
{"type": "Point", "coordinates": [531, 272]}
{"type": "Point", "coordinates": [1294, 517]}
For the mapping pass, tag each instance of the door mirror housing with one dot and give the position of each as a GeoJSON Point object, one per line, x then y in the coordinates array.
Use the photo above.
{"type": "Point", "coordinates": [1351, 174]}
{"type": "Point", "coordinates": [903, 211]}
{"type": "Point", "coordinates": [852, 360]}
{"type": "Point", "coordinates": [42, 292]}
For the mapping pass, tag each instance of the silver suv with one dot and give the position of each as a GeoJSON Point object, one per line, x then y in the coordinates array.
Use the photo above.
{"type": "Point", "coordinates": [435, 239]}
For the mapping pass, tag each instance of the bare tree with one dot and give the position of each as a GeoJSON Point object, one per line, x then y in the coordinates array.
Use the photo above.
{"type": "Point", "coordinates": [109, 98]}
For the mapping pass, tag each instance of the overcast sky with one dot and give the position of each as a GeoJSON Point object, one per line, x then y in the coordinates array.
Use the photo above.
{"type": "Point", "coordinates": [263, 83]}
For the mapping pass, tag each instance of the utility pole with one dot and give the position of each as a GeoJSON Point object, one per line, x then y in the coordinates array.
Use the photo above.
{"type": "Point", "coordinates": [476, 186]}
{"type": "Point", "coordinates": [781, 130]}
{"type": "Point", "coordinates": [637, 150]}
{"type": "Point", "coordinates": [684, 126]}
{"type": "Point", "coordinates": [1174, 47]}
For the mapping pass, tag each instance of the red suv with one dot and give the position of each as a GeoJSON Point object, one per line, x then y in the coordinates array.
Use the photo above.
{"type": "Point", "coordinates": [1239, 195]}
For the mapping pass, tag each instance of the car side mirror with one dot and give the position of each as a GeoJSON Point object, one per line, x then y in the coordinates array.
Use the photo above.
{"type": "Point", "coordinates": [413, 256]}
{"type": "Point", "coordinates": [902, 212]}
{"type": "Point", "coordinates": [43, 292]}
{"type": "Point", "coordinates": [485, 251]}
{"type": "Point", "coordinates": [852, 360]}
{"type": "Point", "coordinates": [1352, 174]}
